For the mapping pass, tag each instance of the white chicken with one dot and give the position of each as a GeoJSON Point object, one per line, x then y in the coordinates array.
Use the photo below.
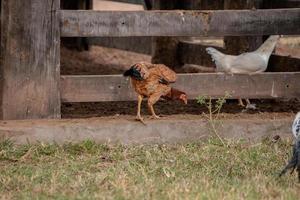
{"type": "Point", "coordinates": [246, 63]}
{"type": "Point", "coordinates": [295, 160]}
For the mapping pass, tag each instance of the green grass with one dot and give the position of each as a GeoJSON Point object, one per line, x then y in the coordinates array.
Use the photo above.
{"type": "Point", "coordinates": [201, 170]}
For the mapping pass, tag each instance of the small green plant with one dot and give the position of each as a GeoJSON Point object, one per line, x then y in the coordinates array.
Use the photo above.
{"type": "Point", "coordinates": [213, 111]}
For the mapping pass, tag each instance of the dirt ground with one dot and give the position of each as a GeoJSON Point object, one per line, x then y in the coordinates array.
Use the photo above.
{"type": "Point", "coordinates": [269, 108]}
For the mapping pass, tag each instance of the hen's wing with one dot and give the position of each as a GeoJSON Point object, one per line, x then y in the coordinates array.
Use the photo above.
{"type": "Point", "coordinates": [247, 63]}
{"type": "Point", "coordinates": [165, 74]}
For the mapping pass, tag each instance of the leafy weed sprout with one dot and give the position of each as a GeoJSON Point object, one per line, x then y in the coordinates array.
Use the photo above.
{"type": "Point", "coordinates": [213, 111]}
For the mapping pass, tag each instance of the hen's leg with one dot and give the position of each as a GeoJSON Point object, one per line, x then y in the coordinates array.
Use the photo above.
{"type": "Point", "coordinates": [249, 105]}
{"type": "Point", "coordinates": [154, 116]}
{"type": "Point", "coordinates": [248, 101]}
{"type": "Point", "coordinates": [241, 102]}
{"type": "Point", "coordinates": [151, 101]}
{"type": "Point", "coordinates": [138, 116]}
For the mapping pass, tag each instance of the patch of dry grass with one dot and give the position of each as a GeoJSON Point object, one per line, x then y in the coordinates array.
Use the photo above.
{"type": "Point", "coordinates": [202, 170]}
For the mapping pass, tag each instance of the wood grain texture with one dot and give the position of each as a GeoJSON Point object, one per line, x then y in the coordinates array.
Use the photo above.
{"type": "Point", "coordinates": [139, 2]}
{"type": "Point", "coordinates": [30, 67]}
{"type": "Point", "coordinates": [134, 44]}
{"type": "Point", "coordinates": [281, 4]}
{"type": "Point", "coordinates": [195, 53]}
{"type": "Point", "coordinates": [118, 88]}
{"type": "Point", "coordinates": [179, 23]}
{"type": "Point", "coordinates": [78, 43]}
{"type": "Point", "coordinates": [164, 49]}
{"type": "Point", "coordinates": [237, 45]}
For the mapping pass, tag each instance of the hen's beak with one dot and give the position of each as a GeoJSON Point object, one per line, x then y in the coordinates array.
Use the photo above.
{"type": "Point", "coordinates": [185, 101]}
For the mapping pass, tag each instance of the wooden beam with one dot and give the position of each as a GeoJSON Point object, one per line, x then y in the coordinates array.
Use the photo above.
{"type": "Point", "coordinates": [208, 5]}
{"type": "Point", "coordinates": [279, 63]}
{"type": "Point", "coordinates": [30, 67]}
{"type": "Point", "coordinates": [164, 49]}
{"type": "Point", "coordinates": [237, 45]}
{"type": "Point", "coordinates": [134, 44]}
{"type": "Point", "coordinates": [179, 23]}
{"type": "Point", "coordinates": [78, 43]}
{"type": "Point", "coordinates": [242, 4]}
{"type": "Point", "coordinates": [118, 88]}
{"type": "Point", "coordinates": [281, 4]}
{"type": "Point", "coordinates": [139, 2]}
{"type": "Point", "coordinates": [191, 53]}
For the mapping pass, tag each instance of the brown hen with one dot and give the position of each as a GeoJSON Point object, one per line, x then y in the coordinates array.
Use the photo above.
{"type": "Point", "coordinates": [153, 81]}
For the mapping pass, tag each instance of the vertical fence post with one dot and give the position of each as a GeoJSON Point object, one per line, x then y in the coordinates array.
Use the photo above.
{"type": "Point", "coordinates": [237, 45]}
{"type": "Point", "coordinates": [164, 49]}
{"type": "Point", "coordinates": [30, 59]}
{"type": "Point", "coordinates": [79, 43]}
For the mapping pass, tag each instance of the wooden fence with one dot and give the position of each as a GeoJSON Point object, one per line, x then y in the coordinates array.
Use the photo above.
{"type": "Point", "coordinates": [30, 50]}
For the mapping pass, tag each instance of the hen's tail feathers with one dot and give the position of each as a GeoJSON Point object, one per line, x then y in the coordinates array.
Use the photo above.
{"type": "Point", "coordinates": [269, 45]}
{"type": "Point", "coordinates": [134, 73]}
{"type": "Point", "coordinates": [215, 54]}
{"type": "Point", "coordinates": [294, 163]}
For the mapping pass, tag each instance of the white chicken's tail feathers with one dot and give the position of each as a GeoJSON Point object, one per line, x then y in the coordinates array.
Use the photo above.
{"type": "Point", "coordinates": [215, 54]}
{"type": "Point", "coordinates": [269, 45]}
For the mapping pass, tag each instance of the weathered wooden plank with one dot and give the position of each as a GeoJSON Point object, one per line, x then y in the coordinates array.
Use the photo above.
{"type": "Point", "coordinates": [165, 49]}
{"type": "Point", "coordinates": [78, 43]}
{"type": "Point", "coordinates": [236, 45]}
{"type": "Point", "coordinates": [147, 4]}
{"type": "Point", "coordinates": [279, 63]}
{"type": "Point", "coordinates": [242, 4]}
{"type": "Point", "coordinates": [30, 72]}
{"type": "Point", "coordinates": [281, 4]}
{"type": "Point", "coordinates": [179, 23]}
{"type": "Point", "coordinates": [208, 5]}
{"type": "Point", "coordinates": [76, 4]}
{"type": "Point", "coordinates": [118, 88]}
{"type": "Point", "coordinates": [139, 2]}
{"type": "Point", "coordinates": [135, 44]}
{"type": "Point", "coordinates": [191, 53]}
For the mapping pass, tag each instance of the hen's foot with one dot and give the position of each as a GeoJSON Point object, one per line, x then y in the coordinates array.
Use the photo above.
{"type": "Point", "coordinates": [251, 107]}
{"type": "Point", "coordinates": [155, 117]}
{"type": "Point", "coordinates": [139, 118]}
{"type": "Point", "coordinates": [241, 103]}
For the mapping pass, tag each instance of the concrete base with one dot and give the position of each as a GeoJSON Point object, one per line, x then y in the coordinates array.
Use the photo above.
{"type": "Point", "coordinates": [128, 131]}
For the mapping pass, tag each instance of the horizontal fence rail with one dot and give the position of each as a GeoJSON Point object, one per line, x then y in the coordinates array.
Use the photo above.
{"type": "Point", "coordinates": [179, 23]}
{"type": "Point", "coordinates": [96, 88]}
{"type": "Point", "coordinates": [135, 44]}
